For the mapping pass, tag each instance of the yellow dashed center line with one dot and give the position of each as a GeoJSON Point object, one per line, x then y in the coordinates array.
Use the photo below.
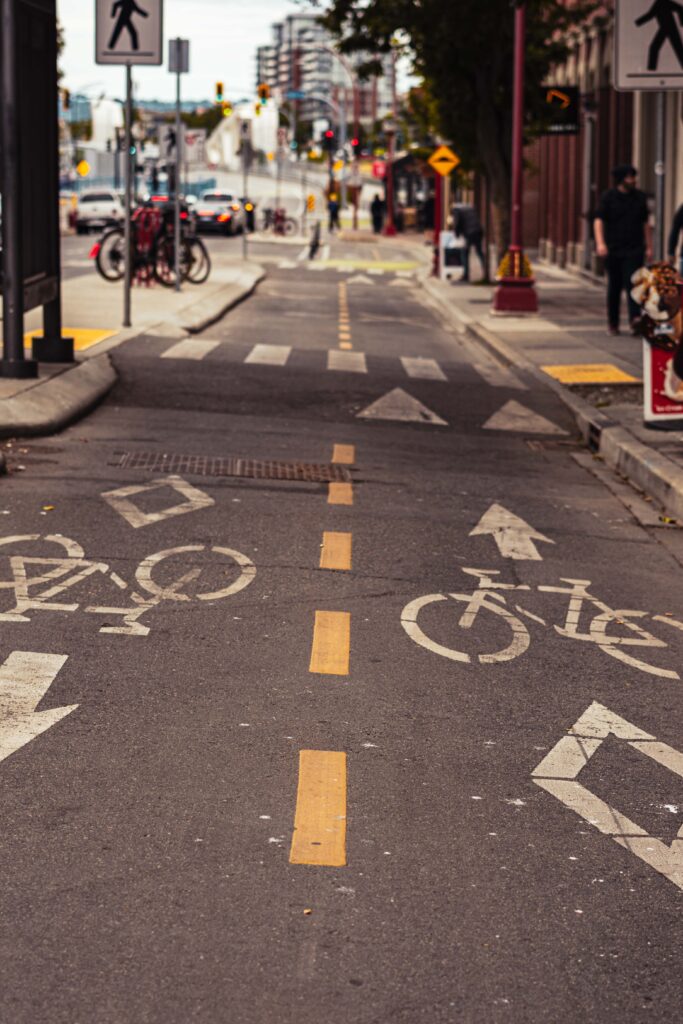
{"type": "Point", "coordinates": [335, 552]}
{"type": "Point", "coordinates": [340, 494]}
{"type": "Point", "coordinates": [344, 454]}
{"type": "Point", "coordinates": [319, 836]}
{"type": "Point", "coordinates": [344, 321]}
{"type": "Point", "coordinates": [346, 345]}
{"type": "Point", "coordinates": [331, 647]}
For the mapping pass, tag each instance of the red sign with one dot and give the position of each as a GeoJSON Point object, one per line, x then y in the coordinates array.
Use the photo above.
{"type": "Point", "coordinates": [379, 169]}
{"type": "Point", "coordinates": [663, 390]}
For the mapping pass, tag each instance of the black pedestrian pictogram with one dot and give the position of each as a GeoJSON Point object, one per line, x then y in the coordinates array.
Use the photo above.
{"type": "Point", "coordinates": [126, 9]}
{"type": "Point", "coordinates": [664, 12]}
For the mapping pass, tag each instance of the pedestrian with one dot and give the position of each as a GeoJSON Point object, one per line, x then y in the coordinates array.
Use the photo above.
{"type": "Point", "coordinates": [623, 239]}
{"type": "Point", "coordinates": [377, 213]}
{"type": "Point", "coordinates": [466, 224]}
{"type": "Point", "coordinates": [674, 238]}
{"type": "Point", "coordinates": [333, 212]}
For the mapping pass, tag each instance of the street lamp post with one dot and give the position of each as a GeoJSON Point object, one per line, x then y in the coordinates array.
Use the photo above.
{"type": "Point", "coordinates": [390, 132]}
{"type": "Point", "coordinates": [516, 292]}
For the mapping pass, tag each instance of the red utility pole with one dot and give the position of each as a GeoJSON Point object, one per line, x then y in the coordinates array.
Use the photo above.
{"type": "Point", "coordinates": [516, 292]}
{"type": "Point", "coordinates": [390, 227]}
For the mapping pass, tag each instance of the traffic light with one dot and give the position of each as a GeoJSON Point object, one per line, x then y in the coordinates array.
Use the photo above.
{"type": "Point", "coordinates": [257, 109]}
{"type": "Point", "coordinates": [263, 93]}
{"type": "Point", "coordinates": [329, 140]}
{"type": "Point", "coordinates": [355, 147]}
{"type": "Point", "coordinates": [219, 92]}
{"type": "Point", "coordinates": [66, 99]}
{"type": "Point", "coordinates": [226, 107]}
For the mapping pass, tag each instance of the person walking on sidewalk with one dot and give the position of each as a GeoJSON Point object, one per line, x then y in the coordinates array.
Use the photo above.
{"type": "Point", "coordinates": [674, 239]}
{"type": "Point", "coordinates": [622, 239]}
{"type": "Point", "coordinates": [377, 213]}
{"type": "Point", "coordinates": [333, 212]}
{"type": "Point", "coordinates": [466, 224]}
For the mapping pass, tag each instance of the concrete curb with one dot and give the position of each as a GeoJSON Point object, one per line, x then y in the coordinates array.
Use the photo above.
{"type": "Point", "coordinates": [648, 469]}
{"type": "Point", "coordinates": [203, 314]}
{"type": "Point", "coordinates": [51, 405]}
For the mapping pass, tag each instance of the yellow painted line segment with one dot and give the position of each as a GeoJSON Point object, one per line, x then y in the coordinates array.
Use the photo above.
{"type": "Point", "coordinates": [340, 494]}
{"type": "Point", "coordinates": [589, 373]}
{"type": "Point", "coordinates": [331, 646]}
{"type": "Point", "coordinates": [344, 454]}
{"type": "Point", "coordinates": [83, 337]}
{"type": "Point", "coordinates": [346, 345]}
{"type": "Point", "coordinates": [319, 836]}
{"type": "Point", "coordinates": [335, 552]}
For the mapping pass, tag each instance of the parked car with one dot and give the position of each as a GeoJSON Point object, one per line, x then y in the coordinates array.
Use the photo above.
{"type": "Point", "coordinates": [97, 210]}
{"type": "Point", "coordinates": [222, 212]}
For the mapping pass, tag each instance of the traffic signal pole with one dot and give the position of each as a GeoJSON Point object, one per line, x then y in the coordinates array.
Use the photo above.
{"type": "Point", "coordinates": [178, 165]}
{"type": "Point", "coordinates": [127, 232]}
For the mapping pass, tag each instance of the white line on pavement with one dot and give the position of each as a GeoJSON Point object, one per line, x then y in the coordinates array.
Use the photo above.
{"type": "Point", "coordinates": [269, 355]}
{"type": "Point", "coordinates": [351, 362]}
{"type": "Point", "coordinates": [425, 369]}
{"type": "Point", "coordinates": [190, 348]}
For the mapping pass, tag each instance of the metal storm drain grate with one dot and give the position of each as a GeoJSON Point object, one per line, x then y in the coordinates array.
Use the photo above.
{"type": "Point", "coordinates": [256, 469]}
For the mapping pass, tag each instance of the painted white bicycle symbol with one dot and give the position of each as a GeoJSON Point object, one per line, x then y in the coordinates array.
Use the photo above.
{"type": "Point", "coordinates": [55, 576]}
{"type": "Point", "coordinates": [598, 617]}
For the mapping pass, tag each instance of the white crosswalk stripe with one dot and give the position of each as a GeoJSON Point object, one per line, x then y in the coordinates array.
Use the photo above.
{"type": "Point", "coordinates": [351, 362]}
{"type": "Point", "coordinates": [269, 355]}
{"type": "Point", "coordinates": [190, 348]}
{"type": "Point", "coordinates": [424, 369]}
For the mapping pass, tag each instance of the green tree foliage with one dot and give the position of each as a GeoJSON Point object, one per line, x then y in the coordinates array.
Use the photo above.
{"type": "Point", "coordinates": [463, 50]}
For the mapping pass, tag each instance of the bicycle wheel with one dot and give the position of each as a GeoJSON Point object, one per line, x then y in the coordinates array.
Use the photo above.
{"type": "Point", "coordinates": [164, 262]}
{"type": "Point", "coordinates": [199, 261]}
{"type": "Point", "coordinates": [290, 226]}
{"type": "Point", "coordinates": [110, 260]}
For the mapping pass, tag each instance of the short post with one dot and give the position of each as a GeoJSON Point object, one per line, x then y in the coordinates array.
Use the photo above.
{"type": "Point", "coordinates": [178, 63]}
{"type": "Point", "coordinates": [438, 208]}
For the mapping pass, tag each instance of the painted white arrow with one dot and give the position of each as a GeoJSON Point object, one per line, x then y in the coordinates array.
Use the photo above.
{"type": "Point", "coordinates": [514, 537]}
{"type": "Point", "coordinates": [25, 678]}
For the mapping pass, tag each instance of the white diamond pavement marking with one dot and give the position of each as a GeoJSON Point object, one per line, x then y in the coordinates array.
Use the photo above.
{"type": "Point", "coordinates": [398, 405]}
{"type": "Point", "coordinates": [350, 362]}
{"type": "Point", "coordinates": [121, 503]}
{"type": "Point", "coordinates": [269, 355]}
{"type": "Point", "coordinates": [423, 369]}
{"type": "Point", "coordinates": [516, 417]}
{"type": "Point", "coordinates": [190, 348]}
{"type": "Point", "coordinates": [558, 770]}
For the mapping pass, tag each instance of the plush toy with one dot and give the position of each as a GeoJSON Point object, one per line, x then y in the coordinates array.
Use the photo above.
{"type": "Point", "coordinates": [657, 290]}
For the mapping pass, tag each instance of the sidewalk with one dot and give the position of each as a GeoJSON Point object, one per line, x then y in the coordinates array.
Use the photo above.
{"type": "Point", "coordinates": [558, 347]}
{"type": "Point", "coordinates": [92, 313]}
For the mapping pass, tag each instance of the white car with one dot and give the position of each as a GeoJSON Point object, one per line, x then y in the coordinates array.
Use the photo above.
{"type": "Point", "coordinates": [98, 209]}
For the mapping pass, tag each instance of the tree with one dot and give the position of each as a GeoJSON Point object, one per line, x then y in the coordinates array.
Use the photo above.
{"type": "Point", "coordinates": [463, 50]}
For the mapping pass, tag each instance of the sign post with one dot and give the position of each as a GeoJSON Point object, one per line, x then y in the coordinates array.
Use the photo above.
{"type": "Point", "coordinates": [443, 160]}
{"type": "Point", "coordinates": [648, 56]}
{"type": "Point", "coordinates": [128, 34]}
{"type": "Point", "coordinates": [245, 139]}
{"type": "Point", "coordinates": [178, 64]}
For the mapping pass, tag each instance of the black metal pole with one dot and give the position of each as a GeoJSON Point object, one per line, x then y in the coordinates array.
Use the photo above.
{"type": "Point", "coordinates": [14, 362]}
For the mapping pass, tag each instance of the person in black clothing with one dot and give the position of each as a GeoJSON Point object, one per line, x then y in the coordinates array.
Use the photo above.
{"type": "Point", "coordinates": [467, 225]}
{"type": "Point", "coordinates": [377, 213]}
{"type": "Point", "coordinates": [622, 238]}
{"type": "Point", "coordinates": [674, 237]}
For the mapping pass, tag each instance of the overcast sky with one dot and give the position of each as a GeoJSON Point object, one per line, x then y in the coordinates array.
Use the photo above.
{"type": "Point", "coordinates": [223, 38]}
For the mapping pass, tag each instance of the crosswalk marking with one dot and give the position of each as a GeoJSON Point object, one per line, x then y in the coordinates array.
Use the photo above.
{"type": "Point", "coordinates": [344, 454]}
{"type": "Point", "coordinates": [349, 362]}
{"type": "Point", "coordinates": [319, 835]}
{"type": "Point", "coordinates": [425, 369]}
{"type": "Point", "coordinates": [190, 348]}
{"type": "Point", "coordinates": [499, 376]}
{"type": "Point", "coordinates": [340, 494]}
{"type": "Point", "coordinates": [269, 355]}
{"type": "Point", "coordinates": [331, 643]}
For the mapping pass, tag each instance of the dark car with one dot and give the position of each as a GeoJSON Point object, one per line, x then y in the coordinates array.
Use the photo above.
{"type": "Point", "coordinates": [221, 212]}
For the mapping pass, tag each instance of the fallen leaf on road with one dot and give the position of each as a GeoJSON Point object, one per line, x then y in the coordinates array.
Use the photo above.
{"type": "Point", "coordinates": [48, 508]}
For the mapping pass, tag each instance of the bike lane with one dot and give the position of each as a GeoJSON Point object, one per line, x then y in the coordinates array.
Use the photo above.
{"type": "Point", "coordinates": [150, 834]}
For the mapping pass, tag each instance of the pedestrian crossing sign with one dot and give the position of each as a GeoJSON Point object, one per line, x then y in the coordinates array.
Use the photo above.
{"type": "Point", "coordinates": [648, 43]}
{"type": "Point", "coordinates": [128, 31]}
{"type": "Point", "coordinates": [444, 160]}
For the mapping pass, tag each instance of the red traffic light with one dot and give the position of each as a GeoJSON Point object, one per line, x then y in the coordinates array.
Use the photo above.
{"type": "Point", "coordinates": [329, 134]}
{"type": "Point", "coordinates": [355, 143]}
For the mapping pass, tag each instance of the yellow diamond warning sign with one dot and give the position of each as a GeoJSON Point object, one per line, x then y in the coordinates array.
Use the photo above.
{"type": "Point", "coordinates": [444, 160]}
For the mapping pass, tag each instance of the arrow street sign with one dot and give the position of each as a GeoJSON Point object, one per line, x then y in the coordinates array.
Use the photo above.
{"type": "Point", "coordinates": [444, 160]}
{"type": "Point", "coordinates": [127, 32]}
{"type": "Point", "coordinates": [514, 537]}
{"type": "Point", "coordinates": [648, 45]}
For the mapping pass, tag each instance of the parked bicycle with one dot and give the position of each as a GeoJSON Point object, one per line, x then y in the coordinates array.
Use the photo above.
{"type": "Point", "coordinates": [153, 249]}
{"type": "Point", "coordinates": [277, 221]}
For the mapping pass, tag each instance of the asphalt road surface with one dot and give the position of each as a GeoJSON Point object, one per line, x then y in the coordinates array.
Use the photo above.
{"type": "Point", "coordinates": [370, 710]}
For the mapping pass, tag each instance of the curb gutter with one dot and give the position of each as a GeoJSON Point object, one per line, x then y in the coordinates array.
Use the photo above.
{"type": "Point", "coordinates": [53, 404]}
{"type": "Point", "coordinates": [646, 468]}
